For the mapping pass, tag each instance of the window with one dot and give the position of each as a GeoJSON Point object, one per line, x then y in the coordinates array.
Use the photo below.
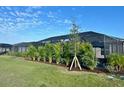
{"type": "Point", "coordinates": [102, 51]}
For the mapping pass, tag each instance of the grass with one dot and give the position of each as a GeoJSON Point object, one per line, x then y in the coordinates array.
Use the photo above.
{"type": "Point", "coordinates": [17, 72]}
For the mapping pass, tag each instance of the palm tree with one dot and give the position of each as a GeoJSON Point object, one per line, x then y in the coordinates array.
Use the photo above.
{"type": "Point", "coordinates": [121, 63]}
{"type": "Point", "coordinates": [32, 52]}
{"type": "Point", "coordinates": [66, 53]}
{"type": "Point", "coordinates": [58, 50]}
{"type": "Point", "coordinates": [42, 53]}
{"type": "Point", "coordinates": [116, 61]}
{"type": "Point", "coordinates": [49, 51]}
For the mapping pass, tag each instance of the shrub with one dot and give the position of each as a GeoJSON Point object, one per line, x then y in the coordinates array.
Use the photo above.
{"type": "Point", "coordinates": [87, 56]}
{"type": "Point", "coordinates": [116, 61]}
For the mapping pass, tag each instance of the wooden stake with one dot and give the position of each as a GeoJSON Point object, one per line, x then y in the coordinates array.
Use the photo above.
{"type": "Point", "coordinates": [76, 63]}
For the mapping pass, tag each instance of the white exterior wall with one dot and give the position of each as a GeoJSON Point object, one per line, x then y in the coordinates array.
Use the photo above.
{"type": "Point", "coordinates": [98, 52]}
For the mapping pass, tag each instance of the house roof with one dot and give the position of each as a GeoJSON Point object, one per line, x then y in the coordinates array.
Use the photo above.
{"type": "Point", "coordinates": [5, 45]}
{"type": "Point", "coordinates": [96, 39]}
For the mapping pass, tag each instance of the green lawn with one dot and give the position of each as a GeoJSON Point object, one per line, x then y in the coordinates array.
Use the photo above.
{"type": "Point", "coordinates": [16, 71]}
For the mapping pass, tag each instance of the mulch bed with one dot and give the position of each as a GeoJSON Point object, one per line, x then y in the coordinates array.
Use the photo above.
{"type": "Point", "coordinates": [96, 70]}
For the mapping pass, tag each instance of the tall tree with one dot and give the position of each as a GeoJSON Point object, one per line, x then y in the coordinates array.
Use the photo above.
{"type": "Point", "coordinates": [75, 39]}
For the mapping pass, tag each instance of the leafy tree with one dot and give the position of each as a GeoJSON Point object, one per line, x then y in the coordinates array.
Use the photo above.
{"type": "Point", "coordinates": [74, 39]}
{"type": "Point", "coordinates": [58, 51]}
{"type": "Point", "coordinates": [87, 56]}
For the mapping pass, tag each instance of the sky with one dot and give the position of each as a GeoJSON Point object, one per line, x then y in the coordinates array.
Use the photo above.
{"type": "Point", "coordinates": [34, 23]}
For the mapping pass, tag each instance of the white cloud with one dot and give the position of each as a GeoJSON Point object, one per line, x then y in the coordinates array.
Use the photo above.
{"type": "Point", "coordinates": [12, 13]}
{"type": "Point", "coordinates": [20, 19]}
{"type": "Point", "coordinates": [50, 14]}
{"type": "Point", "coordinates": [39, 12]}
{"type": "Point", "coordinates": [5, 13]}
{"type": "Point", "coordinates": [66, 21]}
{"type": "Point", "coordinates": [2, 8]}
{"type": "Point", "coordinates": [29, 9]}
{"type": "Point", "coordinates": [8, 8]}
{"type": "Point", "coordinates": [1, 19]}
{"type": "Point", "coordinates": [73, 9]}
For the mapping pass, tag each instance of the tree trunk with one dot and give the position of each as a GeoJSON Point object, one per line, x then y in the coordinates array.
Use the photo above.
{"type": "Point", "coordinates": [33, 58]}
{"type": "Point", "coordinates": [38, 59]}
{"type": "Point", "coordinates": [117, 69]}
{"type": "Point", "coordinates": [57, 60]}
{"type": "Point", "coordinates": [50, 60]}
{"type": "Point", "coordinates": [67, 63]}
{"type": "Point", "coordinates": [44, 59]}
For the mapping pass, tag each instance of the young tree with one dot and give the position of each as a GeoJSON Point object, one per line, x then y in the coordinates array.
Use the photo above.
{"type": "Point", "coordinates": [74, 38]}
{"type": "Point", "coordinates": [32, 52]}
{"type": "Point", "coordinates": [40, 52]}
{"type": "Point", "coordinates": [43, 53]}
{"type": "Point", "coordinates": [58, 50]}
{"type": "Point", "coordinates": [67, 53]}
{"type": "Point", "coordinates": [49, 51]}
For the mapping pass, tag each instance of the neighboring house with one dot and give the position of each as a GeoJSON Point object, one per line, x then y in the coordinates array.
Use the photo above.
{"type": "Point", "coordinates": [22, 47]}
{"type": "Point", "coordinates": [103, 45]}
{"type": "Point", "coordinates": [5, 48]}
